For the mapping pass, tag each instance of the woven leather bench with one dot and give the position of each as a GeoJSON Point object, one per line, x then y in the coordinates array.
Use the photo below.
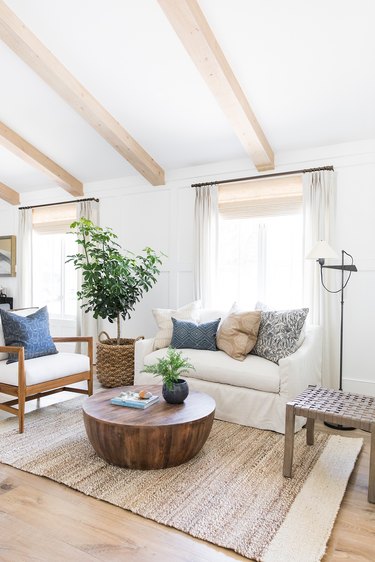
{"type": "Point", "coordinates": [333, 406]}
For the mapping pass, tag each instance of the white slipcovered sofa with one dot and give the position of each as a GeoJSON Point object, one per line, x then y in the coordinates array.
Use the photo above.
{"type": "Point", "coordinates": [252, 392]}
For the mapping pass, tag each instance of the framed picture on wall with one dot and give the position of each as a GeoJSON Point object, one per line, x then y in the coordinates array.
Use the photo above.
{"type": "Point", "coordinates": [7, 256]}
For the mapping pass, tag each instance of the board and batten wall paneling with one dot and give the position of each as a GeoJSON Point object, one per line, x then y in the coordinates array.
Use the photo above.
{"type": "Point", "coordinates": [356, 235]}
{"type": "Point", "coordinates": [161, 219]}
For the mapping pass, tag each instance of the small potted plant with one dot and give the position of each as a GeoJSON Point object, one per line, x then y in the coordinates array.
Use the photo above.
{"type": "Point", "coordinates": [169, 368]}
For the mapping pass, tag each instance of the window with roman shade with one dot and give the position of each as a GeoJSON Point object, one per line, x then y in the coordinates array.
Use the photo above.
{"type": "Point", "coordinates": [54, 280]}
{"type": "Point", "coordinates": [260, 253]}
{"type": "Point", "coordinates": [261, 198]}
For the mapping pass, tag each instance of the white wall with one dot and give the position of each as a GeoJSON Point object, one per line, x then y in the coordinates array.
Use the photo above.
{"type": "Point", "coordinates": [8, 227]}
{"type": "Point", "coordinates": [162, 217]}
{"type": "Point", "coordinates": [355, 233]}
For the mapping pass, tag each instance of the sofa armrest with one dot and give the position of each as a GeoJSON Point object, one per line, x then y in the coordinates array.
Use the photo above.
{"type": "Point", "coordinates": [142, 348]}
{"type": "Point", "coordinates": [303, 367]}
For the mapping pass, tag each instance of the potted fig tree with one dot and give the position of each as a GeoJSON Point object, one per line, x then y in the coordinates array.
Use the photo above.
{"type": "Point", "coordinates": [113, 281]}
{"type": "Point", "coordinates": [170, 368]}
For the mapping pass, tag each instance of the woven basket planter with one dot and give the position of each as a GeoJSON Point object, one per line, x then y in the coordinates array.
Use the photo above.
{"type": "Point", "coordinates": [115, 363]}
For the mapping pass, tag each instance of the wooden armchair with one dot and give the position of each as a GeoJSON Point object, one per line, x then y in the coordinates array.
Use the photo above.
{"type": "Point", "coordinates": [34, 378]}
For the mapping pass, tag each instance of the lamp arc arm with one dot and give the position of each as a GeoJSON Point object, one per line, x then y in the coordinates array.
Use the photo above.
{"type": "Point", "coordinates": [339, 267]}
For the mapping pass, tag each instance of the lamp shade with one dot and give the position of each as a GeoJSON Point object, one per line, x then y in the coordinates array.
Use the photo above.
{"type": "Point", "coordinates": [322, 250]}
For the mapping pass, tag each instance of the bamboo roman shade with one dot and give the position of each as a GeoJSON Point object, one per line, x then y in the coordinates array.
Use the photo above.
{"type": "Point", "coordinates": [52, 219]}
{"type": "Point", "coordinates": [261, 197]}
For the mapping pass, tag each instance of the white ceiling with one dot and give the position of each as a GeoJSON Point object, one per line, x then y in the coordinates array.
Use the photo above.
{"type": "Point", "coordinates": [307, 68]}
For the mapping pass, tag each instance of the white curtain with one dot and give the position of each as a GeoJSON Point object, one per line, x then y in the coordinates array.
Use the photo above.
{"type": "Point", "coordinates": [206, 237]}
{"type": "Point", "coordinates": [87, 325]}
{"type": "Point", "coordinates": [319, 207]}
{"type": "Point", "coordinates": [24, 259]}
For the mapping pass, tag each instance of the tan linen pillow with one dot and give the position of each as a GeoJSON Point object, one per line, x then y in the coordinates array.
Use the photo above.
{"type": "Point", "coordinates": [163, 318]}
{"type": "Point", "coordinates": [238, 333]}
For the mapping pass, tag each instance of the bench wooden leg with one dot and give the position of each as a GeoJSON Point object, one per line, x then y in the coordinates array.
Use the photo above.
{"type": "Point", "coordinates": [371, 481]}
{"type": "Point", "coordinates": [289, 440]}
{"type": "Point", "coordinates": [310, 431]}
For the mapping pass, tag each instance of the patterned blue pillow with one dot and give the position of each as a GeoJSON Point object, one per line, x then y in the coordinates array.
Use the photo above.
{"type": "Point", "coordinates": [30, 332]}
{"type": "Point", "coordinates": [194, 336]}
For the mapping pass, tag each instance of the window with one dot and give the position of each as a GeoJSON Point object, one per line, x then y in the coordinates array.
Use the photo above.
{"type": "Point", "coordinates": [260, 255]}
{"type": "Point", "coordinates": [54, 281]}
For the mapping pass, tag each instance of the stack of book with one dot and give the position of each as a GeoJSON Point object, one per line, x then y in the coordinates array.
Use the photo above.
{"type": "Point", "coordinates": [132, 400]}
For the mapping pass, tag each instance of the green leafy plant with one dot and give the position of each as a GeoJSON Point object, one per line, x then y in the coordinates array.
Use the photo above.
{"type": "Point", "coordinates": [170, 367]}
{"type": "Point", "coordinates": [113, 280]}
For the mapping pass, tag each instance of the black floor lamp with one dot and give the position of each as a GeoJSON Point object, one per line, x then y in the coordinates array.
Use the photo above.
{"type": "Point", "coordinates": [322, 251]}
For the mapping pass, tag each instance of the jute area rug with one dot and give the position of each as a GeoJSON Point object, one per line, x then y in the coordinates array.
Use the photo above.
{"type": "Point", "coordinates": [232, 494]}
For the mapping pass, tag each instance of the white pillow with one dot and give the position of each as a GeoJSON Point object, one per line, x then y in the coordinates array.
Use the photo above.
{"type": "Point", "coordinates": [210, 314]}
{"type": "Point", "coordinates": [163, 318]}
{"type": "Point", "coordinates": [20, 312]}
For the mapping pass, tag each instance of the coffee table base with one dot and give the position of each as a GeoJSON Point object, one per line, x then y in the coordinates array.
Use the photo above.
{"type": "Point", "coordinates": [147, 448]}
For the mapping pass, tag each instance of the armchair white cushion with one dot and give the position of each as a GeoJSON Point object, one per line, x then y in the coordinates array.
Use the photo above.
{"type": "Point", "coordinates": [39, 370]}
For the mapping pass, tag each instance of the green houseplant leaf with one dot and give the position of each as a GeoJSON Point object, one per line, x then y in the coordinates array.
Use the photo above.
{"type": "Point", "coordinates": [113, 280]}
{"type": "Point", "coordinates": [170, 367]}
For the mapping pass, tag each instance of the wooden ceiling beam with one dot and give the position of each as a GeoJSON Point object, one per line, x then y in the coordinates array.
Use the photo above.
{"type": "Point", "coordinates": [9, 195]}
{"type": "Point", "coordinates": [27, 152]}
{"type": "Point", "coordinates": [192, 28]}
{"type": "Point", "coordinates": [28, 47]}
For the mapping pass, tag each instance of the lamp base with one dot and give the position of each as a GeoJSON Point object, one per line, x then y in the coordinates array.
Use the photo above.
{"type": "Point", "coordinates": [339, 426]}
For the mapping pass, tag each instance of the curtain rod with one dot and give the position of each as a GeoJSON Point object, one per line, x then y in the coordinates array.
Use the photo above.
{"type": "Point", "coordinates": [293, 172]}
{"type": "Point", "coordinates": [59, 203]}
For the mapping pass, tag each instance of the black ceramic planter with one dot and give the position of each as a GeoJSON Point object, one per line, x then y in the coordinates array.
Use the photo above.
{"type": "Point", "coordinates": [178, 393]}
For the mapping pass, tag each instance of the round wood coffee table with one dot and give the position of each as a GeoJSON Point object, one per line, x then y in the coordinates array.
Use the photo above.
{"type": "Point", "coordinates": [160, 436]}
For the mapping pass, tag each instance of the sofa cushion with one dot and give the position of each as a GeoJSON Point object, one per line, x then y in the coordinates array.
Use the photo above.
{"type": "Point", "coordinates": [30, 332]}
{"type": "Point", "coordinates": [238, 333]}
{"type": "Point", "coordinates": [253, 372]}
{"type": "Point", "coordinates": [194, 336]}
{"type": "Point", "coordinates": [45, 368]}
{"type": "Point", "coordinates": [163, 318]}
{"type": "Point", "coordinates": [279, 332]}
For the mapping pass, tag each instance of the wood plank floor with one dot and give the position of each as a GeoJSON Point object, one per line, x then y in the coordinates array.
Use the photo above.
{"type": "Point", "coordinates": [41, 520]}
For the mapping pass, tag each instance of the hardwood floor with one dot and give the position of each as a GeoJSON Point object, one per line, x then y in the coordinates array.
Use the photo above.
{"type": "Point", "coordinates": [41, 520]}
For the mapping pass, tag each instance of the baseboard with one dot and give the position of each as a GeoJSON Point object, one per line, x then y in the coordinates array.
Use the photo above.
{"type": "Point", "coordinates": [359, 386]}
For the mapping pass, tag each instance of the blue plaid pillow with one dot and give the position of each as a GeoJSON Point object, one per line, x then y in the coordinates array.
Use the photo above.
{"type": "Point", "coordinates": [30, 332]}
{"type": "Point", "coordinates": [194, 336]}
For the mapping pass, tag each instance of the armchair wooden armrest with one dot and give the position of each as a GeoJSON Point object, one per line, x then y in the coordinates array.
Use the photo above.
{"type": "Point", "coordinates": [79, 339]}
{"type": "Point", "coordinates": [12, 349]}
{"type": "Point", "coordinates": [21, 360]}
{"type": "Point", "coordinates": [73, 338]}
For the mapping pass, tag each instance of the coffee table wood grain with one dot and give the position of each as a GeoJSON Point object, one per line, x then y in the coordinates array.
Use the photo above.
{"type": "Point", "coordinates": [160, 436]}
